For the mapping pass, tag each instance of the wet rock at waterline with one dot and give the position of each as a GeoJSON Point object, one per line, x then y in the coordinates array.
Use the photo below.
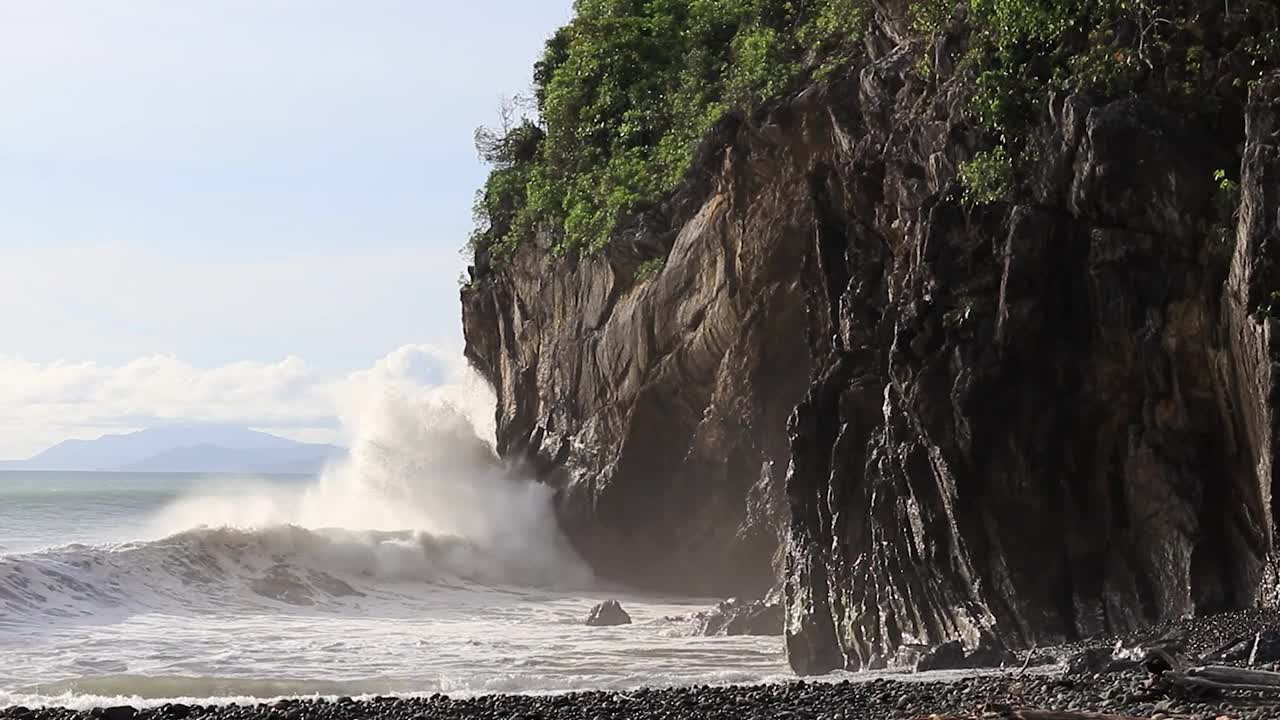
{"type": "Point", "coordinates": [608, 614]}
{"type": "Point", "coordinates": [953, 655]}
{"type": "Point", "coordinates": [737, 617]}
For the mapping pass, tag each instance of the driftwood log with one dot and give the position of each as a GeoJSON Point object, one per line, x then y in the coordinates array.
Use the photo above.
{"type": "Point", "coordinates": [1225, 679]}
{"type": "Point", "coordinates": [1235, 675]}
{"type": "Point", "coordinates": [1059, 715]}
{"type": "Point", "coordinates": [1037, 715]}
{"type": "Point", "coordinates": [1167, 664]}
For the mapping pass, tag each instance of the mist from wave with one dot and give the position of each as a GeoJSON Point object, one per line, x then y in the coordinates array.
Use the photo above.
{"type": "Point", "coordinates": [421, 462]}
{"type": "Point", "coordinates": [422, 498]}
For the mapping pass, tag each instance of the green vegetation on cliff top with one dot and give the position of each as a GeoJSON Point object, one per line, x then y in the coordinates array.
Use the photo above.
{"type": "Point", "coordinates": [627, 89]}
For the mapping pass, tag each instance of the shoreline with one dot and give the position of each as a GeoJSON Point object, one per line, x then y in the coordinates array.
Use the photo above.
{"type": "Point", "coordinates": [1173, 671]}
{"type": "Point", "coordinates": [1124, 694]}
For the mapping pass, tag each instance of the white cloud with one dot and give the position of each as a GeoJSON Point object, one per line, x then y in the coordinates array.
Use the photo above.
{"type": "Point", "coordinates": [44, 403]}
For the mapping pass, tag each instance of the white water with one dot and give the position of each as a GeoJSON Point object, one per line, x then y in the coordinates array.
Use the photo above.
{"type": "Point", "coordinates": [416, 566]}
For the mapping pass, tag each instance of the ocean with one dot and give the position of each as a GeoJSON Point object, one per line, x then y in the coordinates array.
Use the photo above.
{"type": "Point", "coordinates": [104, 600]}
{"type": "Point", "coordinates": [416, 565]}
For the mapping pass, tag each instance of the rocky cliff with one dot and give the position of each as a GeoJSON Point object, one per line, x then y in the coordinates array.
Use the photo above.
{"type": "Point", "coordinates": [1031, 420]}
{"type": "Point", "coordinates": [656, 402]}
{"type": "Point", "coordinates": [1042, 420]}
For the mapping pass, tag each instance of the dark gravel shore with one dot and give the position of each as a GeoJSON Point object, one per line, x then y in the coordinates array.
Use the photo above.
{"type": "Point", "coordinates": [1133, 692]}
{"type": "Point", "coordinates": [1116, 693]}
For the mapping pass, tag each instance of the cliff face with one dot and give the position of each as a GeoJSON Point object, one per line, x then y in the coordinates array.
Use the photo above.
{"type": "Point", "coordinates": [1039, 421]}
{"type": "Point", "coordinates": [1036, 420]}
{"type": "Point", "coordinates": [656, 405]}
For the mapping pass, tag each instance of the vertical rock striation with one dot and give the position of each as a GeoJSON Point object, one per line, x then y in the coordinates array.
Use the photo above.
{"type": "Point", "coordinates": [1038, 421]}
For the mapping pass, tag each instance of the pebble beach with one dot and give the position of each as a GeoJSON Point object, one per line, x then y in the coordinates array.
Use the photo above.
{"type": "Point", "coordinates": [1000, 695]}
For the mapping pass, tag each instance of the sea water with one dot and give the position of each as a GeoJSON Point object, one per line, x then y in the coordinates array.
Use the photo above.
{"type": "Point", "coordinates": [415, 566]}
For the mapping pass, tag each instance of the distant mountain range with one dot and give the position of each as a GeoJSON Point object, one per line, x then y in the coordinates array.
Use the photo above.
{"type": "Point", "coordinates": [202, 447]}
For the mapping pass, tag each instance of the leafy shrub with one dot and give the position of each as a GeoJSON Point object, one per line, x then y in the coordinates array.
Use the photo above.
{"type": "Point", "coordinates": [649, 269]}
{"type": "Point", "coordinates": [988, 177]}
{"type": "Point", "coordinates": [1271, 306]}
{"type": "Point", "coordinates": [929, 17]}
{"type": "Point", "coordinates": [1225, 201]}
{"type": "Point", "coordinates": [1020, 52]}
{"type": "Point", "coordinates": [1228, 194]}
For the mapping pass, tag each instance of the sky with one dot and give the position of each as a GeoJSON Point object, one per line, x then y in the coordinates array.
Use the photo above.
{"type": "Point", "coordinates": [226, 210]}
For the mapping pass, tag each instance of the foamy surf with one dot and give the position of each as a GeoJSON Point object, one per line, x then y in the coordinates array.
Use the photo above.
{"type": "Point", "coordinates": [148, 691]}
{"type": "Point", "coordinates": [460, 640]}
{"type": "Point", "coordinates": [251, 570]}
{"type": "Point", "coordinates": [421, 463]}
{"type": "Point", "coordinates": [220, 613]}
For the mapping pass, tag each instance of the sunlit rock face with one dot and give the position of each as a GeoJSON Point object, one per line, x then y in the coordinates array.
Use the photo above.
{"type": "Point", "coordinates": [657, 405]}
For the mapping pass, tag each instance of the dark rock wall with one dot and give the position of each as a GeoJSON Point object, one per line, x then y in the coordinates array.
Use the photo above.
{"type": "Point", "coordinates": [1038, 421]}
{"type": "Point", "coordinates": [1034, 421]}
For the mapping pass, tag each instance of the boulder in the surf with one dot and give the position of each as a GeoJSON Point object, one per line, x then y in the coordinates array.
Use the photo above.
{"type": "Point", "coordinates": [608, 614]}
{"type": "Point", "coordinates": [117, 712]}
{"type": "Point", "coordinates": [952, 655]}
{"type": "Point", "coordinates": [736, 617]}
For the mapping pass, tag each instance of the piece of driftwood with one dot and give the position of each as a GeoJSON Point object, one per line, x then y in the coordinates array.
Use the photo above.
{"type": "Point", "coordinates": [1011, 714]}
{"type": "Point", "coordinates": [1217, 653]}
{"type": "Point", "coordinates": [1061, 715]}
{"type": "Point", "coordinates": [1193, 682]}
{"type": "Point", "coordinates": [1027, 663]}
{"type": "Point", "coordinates": [1228, 674]}
{"type": "Point", "coordinates": [1224, 679]}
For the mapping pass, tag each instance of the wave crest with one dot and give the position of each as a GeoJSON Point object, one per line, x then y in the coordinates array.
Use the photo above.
{"type": "Point", "coordinates": [421, 499]}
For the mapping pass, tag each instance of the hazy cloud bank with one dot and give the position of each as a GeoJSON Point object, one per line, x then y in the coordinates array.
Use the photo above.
{"type": "Point", "coordinates": [44, 403]}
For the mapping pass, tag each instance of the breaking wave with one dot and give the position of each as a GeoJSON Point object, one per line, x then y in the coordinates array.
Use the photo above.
{"type": "Point", "coordinates": [422, 499]}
